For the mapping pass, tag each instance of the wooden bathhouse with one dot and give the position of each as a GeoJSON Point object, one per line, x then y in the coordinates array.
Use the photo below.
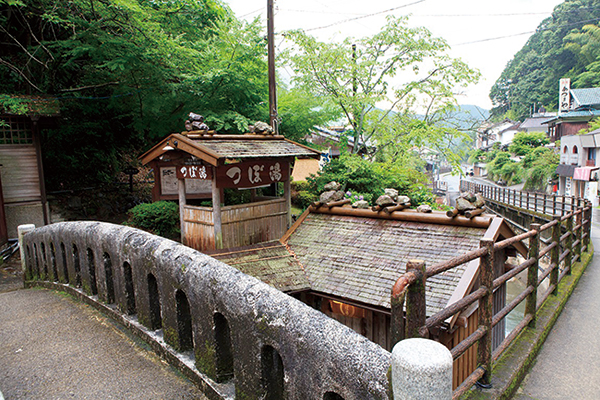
{"type": "Point", "coordinates": [193, 167]}
{"type": "Point", "coordinates": [344, 262]}
{"type": "Point", "coordinates": [22, 188]}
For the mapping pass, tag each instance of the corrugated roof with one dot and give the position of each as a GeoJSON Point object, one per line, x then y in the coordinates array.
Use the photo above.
{"type": "Point", "coordinates": [586, 97]}
{"type": "Point", "coordinates": [361, 258]}
{"type": "Point", "coordinates": [237, 148]}
{"type": "Point", "coordinates": [270, 262]}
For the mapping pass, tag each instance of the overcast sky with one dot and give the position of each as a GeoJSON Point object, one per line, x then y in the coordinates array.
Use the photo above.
{"type": "Point", "coordinates": [465, 24]}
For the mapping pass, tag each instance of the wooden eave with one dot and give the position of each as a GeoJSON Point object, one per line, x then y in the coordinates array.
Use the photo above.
{"type": "Point", "coordinates": [183, 144]}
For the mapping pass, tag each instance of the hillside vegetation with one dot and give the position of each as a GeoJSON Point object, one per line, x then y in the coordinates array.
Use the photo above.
{"type": "Point", "coordinates": [565, 45]}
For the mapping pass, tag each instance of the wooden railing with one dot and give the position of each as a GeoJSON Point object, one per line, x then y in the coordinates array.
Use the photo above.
{"type": "Point", "coordinates": [570, 234]}
{"type": "Point", "coordinates": [549, 204]}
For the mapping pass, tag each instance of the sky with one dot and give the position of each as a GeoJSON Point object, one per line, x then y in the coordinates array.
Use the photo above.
{"type": "Point", "coordinates": [467, 26]}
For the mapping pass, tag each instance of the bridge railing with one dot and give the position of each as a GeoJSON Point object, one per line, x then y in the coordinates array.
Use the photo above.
{"type": "Point", "coordinates": [234, 332]}
{"type": "Point", "coordinates": [549, 204]}
{"type": "Point", "coordinates": [570, 236]}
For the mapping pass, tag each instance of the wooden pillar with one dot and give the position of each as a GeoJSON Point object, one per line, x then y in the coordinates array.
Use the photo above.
{"type": "Point", "coordinates": [486, 311]}
{"type": "Point", "coordinates": [181, 193]}
{"type": "Point", "coordinates": [532, 274]}
{"type": "Point", "coordinates": [287, 193]}
{"type": "Point", "coordinates": [216, 203]}
{"type": "Point", "coordinates": [569, 244]}
{"type": "Point", "coordinates": [415, 300]}
{"type": "Point", "coordinates": [555, 254]}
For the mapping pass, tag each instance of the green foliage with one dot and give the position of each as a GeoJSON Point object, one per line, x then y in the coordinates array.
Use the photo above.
{"type": "Point", "coordinates": [354, 75]}
{"type": "Point", "coordinates": [541, 168]}
{"type": "Point", "coordinates": [563, 46]}
{"type": "Point", "coordinates": [366, 178]}
{"type": "Point", "coordinates": [160, 218]}
{"type": "Point", "coordinates": [300, 111]}
{"type": "Point", "coordinates": [523, 142]}
{"type": "Point", "coordinates": [128, 72]}
{"type": "Point", "coordinates": [12, 105]}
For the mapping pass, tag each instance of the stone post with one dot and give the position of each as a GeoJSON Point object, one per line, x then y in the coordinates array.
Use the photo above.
{"type": "Point", "coordinates": [421, 370]}
{"type": "Point", "coordinates": [22, 230]}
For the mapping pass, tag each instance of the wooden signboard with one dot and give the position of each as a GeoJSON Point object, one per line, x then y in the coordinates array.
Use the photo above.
{"type": "Point", "coordinates": [194, 172]}
{"type": "Point", "coordinates": [168, 183]}
{"type": "Point", "coordinates": [252, 174]}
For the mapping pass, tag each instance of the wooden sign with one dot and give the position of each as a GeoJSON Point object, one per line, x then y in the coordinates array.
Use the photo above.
{"type": "Point", "coordinates": [194, 172]}
{"type": "Point", "coordinates": [252, 174]}
{"type": "Point", "coordinates": [169, 184]}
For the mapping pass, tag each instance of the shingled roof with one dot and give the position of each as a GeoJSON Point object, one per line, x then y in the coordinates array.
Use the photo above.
{"type": "Point", "coordinates": [216, 149]}
{"type": "Point", "coordinates": [270, 262]}
{"type": "Point", "coordinates": [361, 258]}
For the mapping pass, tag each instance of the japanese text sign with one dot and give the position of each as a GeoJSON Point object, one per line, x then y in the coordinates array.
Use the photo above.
{"type": "Point", "coordinates": [252, 174]}
{"type": "Point", "coordinates": [193, 172]}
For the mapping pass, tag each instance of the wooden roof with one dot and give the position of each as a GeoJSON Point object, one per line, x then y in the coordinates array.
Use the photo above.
{"type": "Point", "coordinates": [361, 258]}
{"type": "Point", "coordinates": [215, 149]}
{"type": "Point", "coordinates": [270, 262]}
{"type": "Point", "coordinates": [36, 105]}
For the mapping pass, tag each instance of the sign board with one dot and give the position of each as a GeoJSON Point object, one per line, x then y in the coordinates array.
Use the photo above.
{"type": "Point", "coordinates": [252, 174]}
{"type": "Point", "coordinates": [564, 95]}
{"type": "Point", "coordinates": [168, 183]}
{"type": "Point", "coordinates": [194, 172]}
{"type": "Point", "coordinates": [568, 186]}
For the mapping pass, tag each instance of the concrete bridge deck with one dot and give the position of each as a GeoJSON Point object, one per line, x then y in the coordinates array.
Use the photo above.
{"type": "Point", "coordinates": [54, 347]}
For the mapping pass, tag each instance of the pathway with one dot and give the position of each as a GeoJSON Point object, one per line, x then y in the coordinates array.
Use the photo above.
{"type": "Point", "coordinates": [568, 366]}
{"type": "Point", "coordinates": [53, 347]}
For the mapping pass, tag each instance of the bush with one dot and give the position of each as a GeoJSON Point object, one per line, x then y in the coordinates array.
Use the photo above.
{"type": "Point", "coordinates": [160, 218]}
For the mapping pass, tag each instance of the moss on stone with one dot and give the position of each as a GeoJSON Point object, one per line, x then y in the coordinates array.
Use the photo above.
{"type": "Point", "coordinates": [171, 337]}
{"type": "Point", "coordinates": [205, 359]}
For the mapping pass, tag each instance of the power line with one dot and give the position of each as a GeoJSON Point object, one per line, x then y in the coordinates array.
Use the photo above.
{"type": "Point", "coordinates": [364, 16]}
{"type": "Point", "coordinates": [525, 33]}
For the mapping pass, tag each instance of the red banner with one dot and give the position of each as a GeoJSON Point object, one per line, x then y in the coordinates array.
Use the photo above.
{"type": "Point", "coordinates": [252, 174]}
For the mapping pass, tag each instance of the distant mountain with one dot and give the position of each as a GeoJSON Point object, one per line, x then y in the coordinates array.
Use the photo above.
{"type": "Point", "coordinates": [468, 115]}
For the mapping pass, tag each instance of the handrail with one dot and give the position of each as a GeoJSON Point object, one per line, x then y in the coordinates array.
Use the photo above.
{"type": "Point", "coordinates": [569, 225]}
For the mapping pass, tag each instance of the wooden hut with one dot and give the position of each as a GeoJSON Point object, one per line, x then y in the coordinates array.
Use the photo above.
{"type": "Point", "coordinates": [22, 189]}
{"type": "Point", "coordinates": [195, 166]}
{"type": "Point", "coordinates": [344, 262]}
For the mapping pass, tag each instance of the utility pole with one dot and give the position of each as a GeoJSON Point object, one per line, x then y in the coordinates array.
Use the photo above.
{"type": "Point", "coordinates": [271, 61]}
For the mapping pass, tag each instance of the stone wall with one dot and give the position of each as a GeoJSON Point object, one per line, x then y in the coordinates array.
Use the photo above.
{"type": "Point", "coordinates": [236, 328]}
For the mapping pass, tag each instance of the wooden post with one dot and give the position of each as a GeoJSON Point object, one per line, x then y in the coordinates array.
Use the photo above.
{"type": "Point", "coordinates": [273, 117]}
{"type": "Point", "coordinates": [397, 325]}
{"type": "Point", "coordinates": [588, 225]}
{"type": "Point", "coordinates": [569, 244]}
{"type": "Point", "coordinates": [415, 300]}
{"type": "Point", "coordinates": [535, 201]}
{"type": "Point", "coordinates": [521, 199]}
{"type": "Point", "coordinates": [554, 204]}
{"type": "Point", "coordinates": [532, 273]}
{"type": "Point", "coordinates": [216, 203]}
{"type": "Point", "coordinates": [527, 200]}
{"type": "Point", "coordinates": [181, 193]}
{"type": "Point", "coordinates": [555, 254]}
{"type": "Point", "coordinates": [287, 193]}
{"type": "Point", "coordinates": [579, 232]}
{"type": "Point", "coordinates": [486, 311]}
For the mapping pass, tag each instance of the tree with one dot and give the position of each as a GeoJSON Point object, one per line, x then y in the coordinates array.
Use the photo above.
{"type": "Point", "coordinates": [356, 75]}
{"type": "Point", "coordinates": [531, 78]}
{"type": "Point", "coordinates": [127, 72]}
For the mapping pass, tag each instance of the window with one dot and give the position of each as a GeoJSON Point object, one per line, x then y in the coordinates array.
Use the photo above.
{"type": "Point", "coordinates": [15, 130]}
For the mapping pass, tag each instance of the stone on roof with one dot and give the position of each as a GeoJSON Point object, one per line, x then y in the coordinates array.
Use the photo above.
{"type": "Point", "coordinates": [270, 262]}
{"type": "Point", "coordinates": [361, 258]}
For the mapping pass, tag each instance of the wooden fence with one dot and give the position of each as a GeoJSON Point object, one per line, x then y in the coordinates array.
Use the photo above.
{"type": "Point", "coordinates": [570, 227]}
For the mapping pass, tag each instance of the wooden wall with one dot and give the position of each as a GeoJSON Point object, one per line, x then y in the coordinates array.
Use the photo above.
{"type": "Point", "coordinates": [242, 225]}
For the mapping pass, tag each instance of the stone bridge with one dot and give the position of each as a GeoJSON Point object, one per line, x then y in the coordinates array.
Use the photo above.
{"type": "Point", "coordinates": [229, 333]}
